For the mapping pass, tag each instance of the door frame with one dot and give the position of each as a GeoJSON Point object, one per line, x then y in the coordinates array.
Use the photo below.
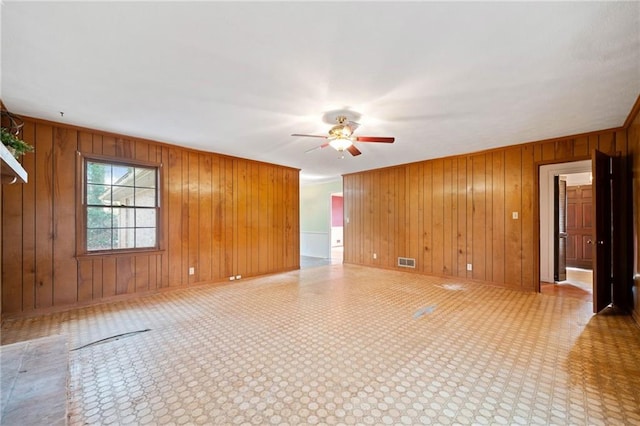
{"type": "Point", "coordinates": [546, 173]}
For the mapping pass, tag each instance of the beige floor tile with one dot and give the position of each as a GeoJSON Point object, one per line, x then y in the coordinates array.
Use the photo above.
{"type": "Point", "coordinates": [347, 345]}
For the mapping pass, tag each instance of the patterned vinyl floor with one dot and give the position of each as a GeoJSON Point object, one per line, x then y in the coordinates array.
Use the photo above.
{"type": "Point", "coordinates": [347, 345]}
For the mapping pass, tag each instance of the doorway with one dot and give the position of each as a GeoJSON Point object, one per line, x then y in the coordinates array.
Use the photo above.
{"type": "Point", "coordinates": [570, 246]}
{"type": "Point", "coordinates": [337, 227]}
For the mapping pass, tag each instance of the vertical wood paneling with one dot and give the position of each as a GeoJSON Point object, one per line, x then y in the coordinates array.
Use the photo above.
{"type": "Point", "coordinates": [229, 219]}
{"type": "Point", "coordinates": [462, 232]}
{"type": "Point", "coordinates": [141, 151]}
{"type": "Point", "coordinates": [385, 232]}
{"type": "Point", "coordinates": [125, 278]}
{"type": "Point", "coordinates": [478, 218]}
{"type": "Point", "coordinates": [605, 143]}
{"type": "Point", "coordinates": [488, 228]}
{"type": "Point", "coordinates": [272, 194]}
{"type": "Point", "coordinates": [29, 224]}
{"type": "Point", "coordinates": [400, 222]}
{"type": "Point", "coordinates": [581, 147]}
{"type": "Point", "coordinates": [154, 272]}
{"type": "Point", "coordinates": [548, 151]}
{"type": "Point", "coordinates": [193, 212]}
{"type": "Point", "coordinates": [291, 219]}
{"type": "Point", "coordinates": [12, 249]}
{"type": "Point", "coordinates": [415, 213]}
{"type": "Point", "coordinates": [499, 217]}
{"type": "Point", "coordinates": [96, 279]}
{"type": "Point", "coordinates": [437, 209]}
{"type": "Point", "coordinates": [621, 141]}
{"type": "Point", "coordinates": [109, 145]}
{"type": "Point", "coordinates": [463, 211]}
{"type": "Point", "coordinates": [141, 273]}
{"type": "Point", "coordinates": [376, 216]}
{"type": "Point", "coordinates": [448, 215]}
{"type": "Point", "coordinates": [529, 252]}
{"type": "Point", "coordinates": [174, 213]}
{"type": "Point", "coordinates": [44, 216]}
{"type": "Point", "coordinates": [365, 223]}
{"type": "Point", "coordinates": [185, 209]}
{"type": "Point", "coordinates": [241, 217]}
{"type": "Point", "coordinates": [205, 225]}
{"type": "Point", "coordinates": [97, 142]}
{"type": "Point", "coordinates": [254, 235]}
{"type": "Point", "coordinates": [217, 244]}
{"type": "Point", "coordinates": [426, 245]}
{"type": "Point", "coordinates": [164, 280]}
{"type": "Point", "coordinates": [85, 280]}
{"type": "Point", "coordinates": [633, 146]}
{"type": "Point", "coordinates": [65, 145]}
{"type": "Point", "coordinates": [564, 149]}
{"type": "Point", "coordinates": [513, 227]}
{"type": "Point", "coordinates": [109, 271]}
{"type": "Point", "coordinates": [593, 143]}
{"type": "Point", "coordinates": [219, 215]}
{"type": "Point", "coordinates": [263, 219]}
{"type": "Point", "coordinates": [469, 216]}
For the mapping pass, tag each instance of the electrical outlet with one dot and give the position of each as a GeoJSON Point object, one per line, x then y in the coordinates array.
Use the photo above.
{"type": "Point", "coordinates": [231, 278]}
{"type": "Point", "coordinates": [375, 256]}
{"type": "Point", "coordinates": [238, 277]}
{"type": "Point", "coordinates": [514, 215]}
{"type": "Point", "coordinates": [192, 271]}
{"type": "Point", "coordinates": [469, 267]}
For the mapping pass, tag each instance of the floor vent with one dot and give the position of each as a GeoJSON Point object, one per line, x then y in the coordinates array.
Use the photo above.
{"type": "Point", "coordinates": [406, 262]}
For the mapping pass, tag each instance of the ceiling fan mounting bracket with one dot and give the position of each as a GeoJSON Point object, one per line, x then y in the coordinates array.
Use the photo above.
{"type": "Point", "coordinates": [333, 116]}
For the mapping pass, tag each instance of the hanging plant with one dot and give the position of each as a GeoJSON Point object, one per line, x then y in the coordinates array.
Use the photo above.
{"type": "Point", "coordinates": [14, 144]}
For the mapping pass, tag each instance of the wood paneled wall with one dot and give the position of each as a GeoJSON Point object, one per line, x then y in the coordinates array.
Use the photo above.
{"type": "Point", "coordinates": [450, 212]}
{"type": "Point", "coordinates": [633, 136]}
{"type": "Point", "coordinates": [221, 215]}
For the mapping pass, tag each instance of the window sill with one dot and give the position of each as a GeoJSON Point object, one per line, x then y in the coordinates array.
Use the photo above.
{"type": "Point", "coordinates": [120, 253]}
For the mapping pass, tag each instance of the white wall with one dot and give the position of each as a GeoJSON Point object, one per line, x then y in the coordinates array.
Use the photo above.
{"type": "Point", "coordinates": [315, 218]}
{"type": "Point", "coordinates": [337, 236]}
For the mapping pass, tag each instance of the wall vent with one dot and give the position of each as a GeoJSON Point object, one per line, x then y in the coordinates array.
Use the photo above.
{"type": "Point", "coordinates": [406, 262]}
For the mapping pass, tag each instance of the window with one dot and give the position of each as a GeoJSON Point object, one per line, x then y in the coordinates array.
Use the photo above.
{"type": "Point", "coordinates": [120, 206]}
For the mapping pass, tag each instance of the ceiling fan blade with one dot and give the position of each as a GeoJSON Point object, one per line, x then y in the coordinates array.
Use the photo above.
{"type": "Point", "coordinates": [375, 139]}
{"type": "Point", "coordinates": [309, 136]}
{"type": "Point", "coordinates": [324, 145]}
{"type": "Point", "coordinates": [353, 150]}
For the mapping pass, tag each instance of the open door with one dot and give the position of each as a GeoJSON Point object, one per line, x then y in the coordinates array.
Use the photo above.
{"type": "Point", "coordinates": [560, 229]}
{"type": "Point", "coordinates": [602, 278]}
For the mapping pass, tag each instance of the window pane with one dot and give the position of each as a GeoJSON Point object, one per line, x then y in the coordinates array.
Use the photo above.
{"type": "Point", "coordinates": [122, 175]}
{"type": "Point", "coordinates": [123, 195]}
{"type": "Point", "coordinates": [123, 238]}
{"type": "Point", "coordinates": [98, 173]}
{"type": "Point", "coordinates": [121, 206]}
{"type": "Point", "coordinates": [145, 237]}
{"type": "Point", "coordinates": [145, 218]}
{"type": "Point", "coordinates": [145, 177]}
{"type": "Point", "coordinates": [99, 217]}
{"type": "Point", "coordinates": [98, 195]}
{"type": "Point", "coordinates": [145, 197]}
{"type": "Point", "coordinates": [124, 217]}
{"type": "Point", "coordinates": [98, 239]}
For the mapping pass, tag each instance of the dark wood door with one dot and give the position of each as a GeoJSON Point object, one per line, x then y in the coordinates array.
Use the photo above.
{"type": "Point", "coordinates": [602, 281]}
{"type": "Point", "coordinates": [580, 226]}
{"type": "Point", "coordinates": [560, 229]}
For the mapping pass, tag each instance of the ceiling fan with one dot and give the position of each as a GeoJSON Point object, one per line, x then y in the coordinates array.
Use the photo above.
{"type": "Point", "coordinates": [341, 137]}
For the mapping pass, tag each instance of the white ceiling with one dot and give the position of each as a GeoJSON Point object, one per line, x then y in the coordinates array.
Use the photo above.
{"type": "Point", "coordinates": [238, 78]}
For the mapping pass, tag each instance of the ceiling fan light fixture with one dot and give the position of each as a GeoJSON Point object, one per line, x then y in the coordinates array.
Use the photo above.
{"type": "Point", "coordinates": [340, 144]}
{"type": "Point", "coordinates": [341, 131]}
